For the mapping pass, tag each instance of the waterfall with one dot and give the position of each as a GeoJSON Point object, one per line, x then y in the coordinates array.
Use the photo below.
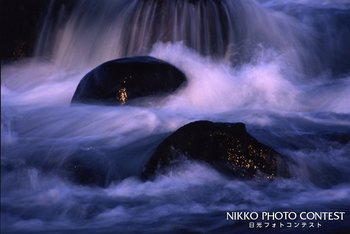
{"type": "Point", "coordinates": [280, 67]}
{"type": "Point", "coordinates": [98, 31]}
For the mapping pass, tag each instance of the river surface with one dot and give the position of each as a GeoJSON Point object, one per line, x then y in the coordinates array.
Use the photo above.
{"type": "Point", "coordinates": [281, 67]}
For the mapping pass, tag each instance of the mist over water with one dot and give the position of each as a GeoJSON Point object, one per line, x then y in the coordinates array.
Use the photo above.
{"type": "Point", "coordinates": [265, 63]}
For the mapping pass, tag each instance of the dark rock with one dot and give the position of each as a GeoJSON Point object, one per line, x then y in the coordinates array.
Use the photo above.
{"type": "Point", "coordinates": [121, 80]}
{"type": "Point", "coordinates": [226, 146]}
{"type": "Point", "coordinates": [90, 167]}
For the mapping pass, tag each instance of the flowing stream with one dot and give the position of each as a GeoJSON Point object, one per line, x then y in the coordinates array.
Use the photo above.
{"type": "Point", "coordinates": [281, 67]}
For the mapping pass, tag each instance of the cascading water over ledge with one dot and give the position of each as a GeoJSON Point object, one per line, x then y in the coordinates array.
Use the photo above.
{"type": "Point", "coordinates": [279, 67]}
{"type": "Point", "coordinates": [220, 29]}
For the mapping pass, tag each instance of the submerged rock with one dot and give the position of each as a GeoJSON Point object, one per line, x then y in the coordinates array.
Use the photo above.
{"type": "Point", "coordinates": [226, 146]}
{"type": "Point", "coordinates": [121, 80]}
{"type": "Point", "coordinates": [90, 166]}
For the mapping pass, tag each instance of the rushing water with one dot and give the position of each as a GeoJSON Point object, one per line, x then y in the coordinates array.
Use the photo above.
{"type": "Point", "coordinates": [281, 68]}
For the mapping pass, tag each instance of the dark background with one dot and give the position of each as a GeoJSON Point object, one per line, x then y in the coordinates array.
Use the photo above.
{"type": "Point", "coordinates": [21, 23]}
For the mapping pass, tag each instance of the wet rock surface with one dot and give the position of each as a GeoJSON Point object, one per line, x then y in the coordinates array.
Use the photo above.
{"type": "Point", "coordinates": [122, 80]}
{"type": "Point", "coordinates": [226, 146]}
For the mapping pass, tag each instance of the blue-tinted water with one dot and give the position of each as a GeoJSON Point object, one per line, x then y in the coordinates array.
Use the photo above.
{"type": "Point", "coordinates": [272, 76]}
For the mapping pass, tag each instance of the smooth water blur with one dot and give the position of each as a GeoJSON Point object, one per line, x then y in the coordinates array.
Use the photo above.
{"type": "Point", "coordinates": [304, 117]}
